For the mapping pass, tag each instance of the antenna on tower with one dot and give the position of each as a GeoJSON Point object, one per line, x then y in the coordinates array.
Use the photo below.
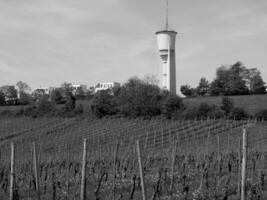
{"type": "Point", "coordinates": [167, 14]}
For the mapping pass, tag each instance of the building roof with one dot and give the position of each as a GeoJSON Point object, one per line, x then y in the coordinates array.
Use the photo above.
{"type": "Point", "coordinates": [166, 31]}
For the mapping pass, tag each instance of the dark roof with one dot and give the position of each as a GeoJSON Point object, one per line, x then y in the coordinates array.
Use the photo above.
{"type": "Point", "coordinates": [166, 31]}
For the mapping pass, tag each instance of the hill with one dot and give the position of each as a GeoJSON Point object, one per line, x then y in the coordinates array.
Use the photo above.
{"type": "Point", "coordinates": [251, 103]}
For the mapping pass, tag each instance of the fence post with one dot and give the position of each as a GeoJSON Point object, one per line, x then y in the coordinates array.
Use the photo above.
{"type": "Point", "coordinates": [244, 164]}
{"type": "Point", "coordinates": [68, 172]}
{"type": "Point", "coordinates": [141, 170]}
{"type": "Point", "coordinates": [36, 171]}
{"type": "Point", "coordinates": [83, 194]}
{"type": "Point", "coordinates": [12, 172]}
{"type": "Point", "coordinates": [172, 167]}
{"type": "Point", "coordinates": [114, 168]}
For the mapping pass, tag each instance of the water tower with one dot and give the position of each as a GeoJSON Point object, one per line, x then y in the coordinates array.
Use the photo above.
{"type": "Point", "coordinates": [166, 48]}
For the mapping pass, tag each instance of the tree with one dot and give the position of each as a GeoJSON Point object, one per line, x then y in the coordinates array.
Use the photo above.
{"type": "Point", "coordinates": [2, 98]}
{"type": "Point", "coordinates": [23, 87]}
{"type": "Point", "coordinates": [203, 87]}
{"type": "Point", "coordinates": [80, 93]}
{"type": "Point", "coordinates": [70, 102]}
{"type": "Point", "coordinates": [104, 103]}
{"type": "Point", "coordinates": [229, 81]}
{"type": "Point", "coordinates": [186, 90]}
{"type": "Point", "coordinates": [11, 94]}
{"type": "Point", "coordinates": [56, 96]}
{"type": "Point", "coordinates": [139, 98]}
{"type": "Point", "coordinates": [24, 98]}
{"type": "Point", "coordinates": [238, 114]}
{"type": "Point", "coordinates": [67, 87]}
{"type": "Point", "coordinates": [254, 81]}
{"type": "Point", "coordinates": [171, 104]}
{"type": "Point", "coordinates": [227, 105]}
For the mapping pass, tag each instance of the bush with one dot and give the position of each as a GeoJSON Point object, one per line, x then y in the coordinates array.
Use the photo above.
{"type": "Point", "coordinates": [261, 115]}
{"type": "Point", "coordinates": [70, 102]}
{"type": "Point", "coordinates": [44, 107]}
{"type": "Point", "coordinates": [170, 105]}
{"type": "Point", "coordinates": [79, 109]}
{"type": "Point", "coordinates": [24, 99]}
{"type": "Point", "coordinates": [56, 97]}
{"type": "Point", "coordinates": [238, 114]}
{"type": "Point", "coordinates": [203, 111]}
{"type": "Point", "coordinates": [103, 104]}
{"type": "Point", "coordinates": [7, 113]}
{"type": "Point", "coordinates": [227, 105]}
{"type": "Point", "coordinates": [139, 98]}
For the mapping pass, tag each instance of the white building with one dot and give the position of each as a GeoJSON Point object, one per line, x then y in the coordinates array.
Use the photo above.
{"type": "Point", "coordinates": [76, 88]}
{"type": "Point", "coordinates": [106, 86]}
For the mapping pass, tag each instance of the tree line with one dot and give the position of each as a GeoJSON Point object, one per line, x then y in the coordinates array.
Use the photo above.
{"type": "Point", "coordinates": [22, 94]}
{"type": "Point", "coordinates": [232, 80]}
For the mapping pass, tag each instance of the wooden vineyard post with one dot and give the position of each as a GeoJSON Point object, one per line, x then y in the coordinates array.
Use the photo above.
{"type": "Point", "coordinates": [154, 139]}
{"type": "Point", "coordinates": [218, 159]}
{"type": "Point", "coordinates": [162, 138]}
{"type": "Point", "coordinates": [239, 167]}
{"type": "Point", "coordinates": [141, 170]}
{"type": "Point", "coordinates": [114, 169]}
{"type": "Point", "coordinates": [36, 171]}
{"type": "Point", "coordinates": [68, 172]}
{"type": "Point", "coordinates": [12, 172]}
{"type": "Point", "coordinates": [172, 167]}
{"type": "Point", "coordinates": [83, 194]}
{"type": "Point", "coordinates": [244, 164]}
{"type": "Point", "coordinates": [146, 139]}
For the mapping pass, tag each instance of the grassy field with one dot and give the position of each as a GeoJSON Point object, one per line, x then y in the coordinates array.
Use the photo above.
{"type": "Point", "coordinates": [204, 151]}
{"type": "Point", "coordinates": [251, 103]}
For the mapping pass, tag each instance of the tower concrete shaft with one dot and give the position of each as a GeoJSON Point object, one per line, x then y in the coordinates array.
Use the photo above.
{"type": "Point", "coordinates": [166, 49]}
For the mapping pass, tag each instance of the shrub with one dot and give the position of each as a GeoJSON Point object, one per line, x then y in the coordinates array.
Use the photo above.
{"type": "Point", "coordinates": [70, 102]}
{"type": "Point", "coordinates": [139, 98]}
{"type": "Point", "coordinates": [203, 111]}
{"type": "Point", "coordinates": [170, 105]}
{"type": "Point", "coordinates": [24, 99]}
{"type": "Point", "coordinates": [227, 105]}
{"type": "Point", "coordinates": [79, 109]}
{"type": "Point", "coordinates": [56, 97]}
{"type": "Point", "coordinates": [238, 114]}
{"type": "Point", "coordinates": [44, 107]}
{"type": "Point", "coordinates": [103, 104]}
{"type": "Point", "coordinates": [261, 115]}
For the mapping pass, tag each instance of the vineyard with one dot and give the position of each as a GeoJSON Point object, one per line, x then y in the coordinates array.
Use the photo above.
{"type": "Point", "coordinates": [198, 159]}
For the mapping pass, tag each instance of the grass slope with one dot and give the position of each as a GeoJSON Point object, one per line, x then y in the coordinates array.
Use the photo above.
{"type": "Point", "coordinates": [251, 103]}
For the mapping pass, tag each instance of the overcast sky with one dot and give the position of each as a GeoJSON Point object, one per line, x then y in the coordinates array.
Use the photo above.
{"type": "Point", "coordinates": [47, 42]}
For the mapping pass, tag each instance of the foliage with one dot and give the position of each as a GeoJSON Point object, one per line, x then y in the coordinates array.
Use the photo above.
{"type": "Point", "coordinates": [80, 93]}
{"type": "Point", "coordinates": [254, 81]}
{"type": "Point", "coordinates": [229, 81]}
{"type": "Point", "coordinates": [66, 87]}
{"type": "Point", "coordinates": [56, 97]}
{"type": "Point", "coordinates": [104, 103]}
{"type": "Point", "coordinates": [24, 98]}
{"type": "Point", "coordinates": [261, 115]}
{"type": "Point", "coordinates": [203, 111]}
{"type": "Point", "coordinates": [2, 98]}
{"type": "Point", "coordinates": [227, 105]}
{"type": "Point", "coordinates": [9, 91]}
{"type": "Point", "coordinates": [44, 107]}
{"type": "Point", "coordinates": [70, 102]}
{"type": "Point", "coordinates": [186, 90]}
{"type": "Point", "coordinates": [238, 114]}
{"type": "Point", "coordinates": [203, 87]}
{"type": "Point", "coordinates": [171, 104]}
{"type": "Point", "coordinates": [139, 98]}
{"type": "Point", "coordinates": [23, 87]}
